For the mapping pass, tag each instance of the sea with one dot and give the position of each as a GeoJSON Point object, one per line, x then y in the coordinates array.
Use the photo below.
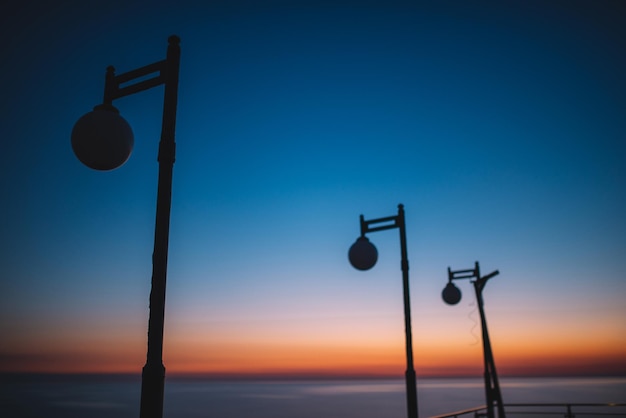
{"type": "Point", "coordinates": [114, 396]}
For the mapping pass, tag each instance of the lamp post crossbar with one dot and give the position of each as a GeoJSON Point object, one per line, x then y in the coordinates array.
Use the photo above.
{"type": "Point", "coordinates": [365, 225]}
{"type": "Point", "coordinates": [492, 385]}
{"type": "Point", "coordinates": [113, 83]}
{"type": "Point", "coordinates": [141, 72]}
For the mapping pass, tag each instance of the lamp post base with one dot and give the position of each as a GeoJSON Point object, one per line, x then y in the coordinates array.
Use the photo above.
{"type": "Point", "coordinates": [411, 393]}
{"type": "Point", "coordinates": [152, 391]}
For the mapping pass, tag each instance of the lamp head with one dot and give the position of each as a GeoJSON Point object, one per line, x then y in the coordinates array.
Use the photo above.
{"type": "Point", "coordinates": [451, 294]}
{"type": "Point", "coordinates": [363, 254]}
{"type": "Point", "coordinates": [102, 139]}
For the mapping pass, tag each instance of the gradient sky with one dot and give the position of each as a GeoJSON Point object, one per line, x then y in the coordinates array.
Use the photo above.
{"type": "Point", "coordinates": [499, 125]}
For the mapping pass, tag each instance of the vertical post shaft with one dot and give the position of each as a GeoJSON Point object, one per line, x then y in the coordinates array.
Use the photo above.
{"type": "Point", "coordinates": [153, 375]}
{"type": "Point", "coordinates": [411, 383]}
{"type": "Point", "coordinates": [492, 386]}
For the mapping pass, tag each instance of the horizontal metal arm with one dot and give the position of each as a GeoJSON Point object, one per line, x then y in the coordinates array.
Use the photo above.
{"type": "Point", "coordinates": [112, 89]}
{"type": "Point", "coordinates": [467, 276]}
{"type": "Point", "coordinates": [462, 274]}
{"type": "Point", "coordinates": [381, 228]}
{"type": "Point", "coordinates": [140, 72]}
{"type": "Point", "coordinates": [464, 271]}
{"type": "Point", "coordinates": [470, 273]}
{"type": "Point", "coordinates": [365, 225]}
{"type": "Point", "coordinates": [140, 86]}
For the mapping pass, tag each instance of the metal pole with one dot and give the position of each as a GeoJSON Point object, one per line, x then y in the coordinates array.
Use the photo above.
{"type": "Point", "coordinates": [153, 375]}
{"type": "Point", "coordinates": [383, 224]}
{"type": "Point", "coordinates": [492, 386]}
{"type": "Point", "coordinates": [411, 384]}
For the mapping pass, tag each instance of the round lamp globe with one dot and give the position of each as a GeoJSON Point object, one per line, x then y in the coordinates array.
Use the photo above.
{"type": "Point", "coordinates": [363, 254]}
{"type": "Point", "coordinates": [451, 294]}
{"type": "Point", "coordinates": [102, 139]}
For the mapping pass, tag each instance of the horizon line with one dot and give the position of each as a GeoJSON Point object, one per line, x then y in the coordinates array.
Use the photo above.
{"type": "Point", "coordinates": [295, 376]}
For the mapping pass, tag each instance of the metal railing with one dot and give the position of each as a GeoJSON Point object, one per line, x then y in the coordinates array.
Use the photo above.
{"type": "Point", "coordinates": [566, 410]}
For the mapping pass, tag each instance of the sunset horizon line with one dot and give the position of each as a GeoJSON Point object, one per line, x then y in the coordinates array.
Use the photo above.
{"type": "Point", "coordinates": [277, 376]}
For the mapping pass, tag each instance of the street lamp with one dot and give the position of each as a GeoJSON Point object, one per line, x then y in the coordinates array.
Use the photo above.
{"type": "Point", "coordinates": [363, 255]}
{"type": "Point", "coordinates": [452, 295]}
{"type": "Point", "coordinates": [103, 140]}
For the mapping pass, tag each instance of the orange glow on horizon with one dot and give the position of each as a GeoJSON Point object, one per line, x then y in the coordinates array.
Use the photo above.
{"type": "Point", "coordinates": [317, 348]}
{"type": "Point", "coordinates": [316, 361]}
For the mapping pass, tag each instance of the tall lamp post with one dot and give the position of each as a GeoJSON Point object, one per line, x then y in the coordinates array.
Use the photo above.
{"type": "Point", "coordinates": [452, 295]}
{"type": "Point", "coordinates": [363, 255]}
{"type": "Point", "coordinates": [103, 140]}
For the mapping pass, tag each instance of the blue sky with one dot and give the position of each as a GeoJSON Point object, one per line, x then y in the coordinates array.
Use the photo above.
{"type": "Point", "coordinates": [500, 127]}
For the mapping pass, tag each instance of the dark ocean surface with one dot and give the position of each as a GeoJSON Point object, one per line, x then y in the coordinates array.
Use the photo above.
{"type": "Point", "coordinates": [92, 396]}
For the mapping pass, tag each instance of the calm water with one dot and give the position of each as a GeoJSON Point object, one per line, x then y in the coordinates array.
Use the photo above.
{"type": "Point", "coordinates": [118, 397]}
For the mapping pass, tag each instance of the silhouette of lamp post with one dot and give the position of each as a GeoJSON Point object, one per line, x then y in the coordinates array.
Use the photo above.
{"type": "Point", "coordinates": [103, 140]}
{"type": "Point", "coordinates": [363, 256]}
{"type": "Point", "coordinates": [452, 295]}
